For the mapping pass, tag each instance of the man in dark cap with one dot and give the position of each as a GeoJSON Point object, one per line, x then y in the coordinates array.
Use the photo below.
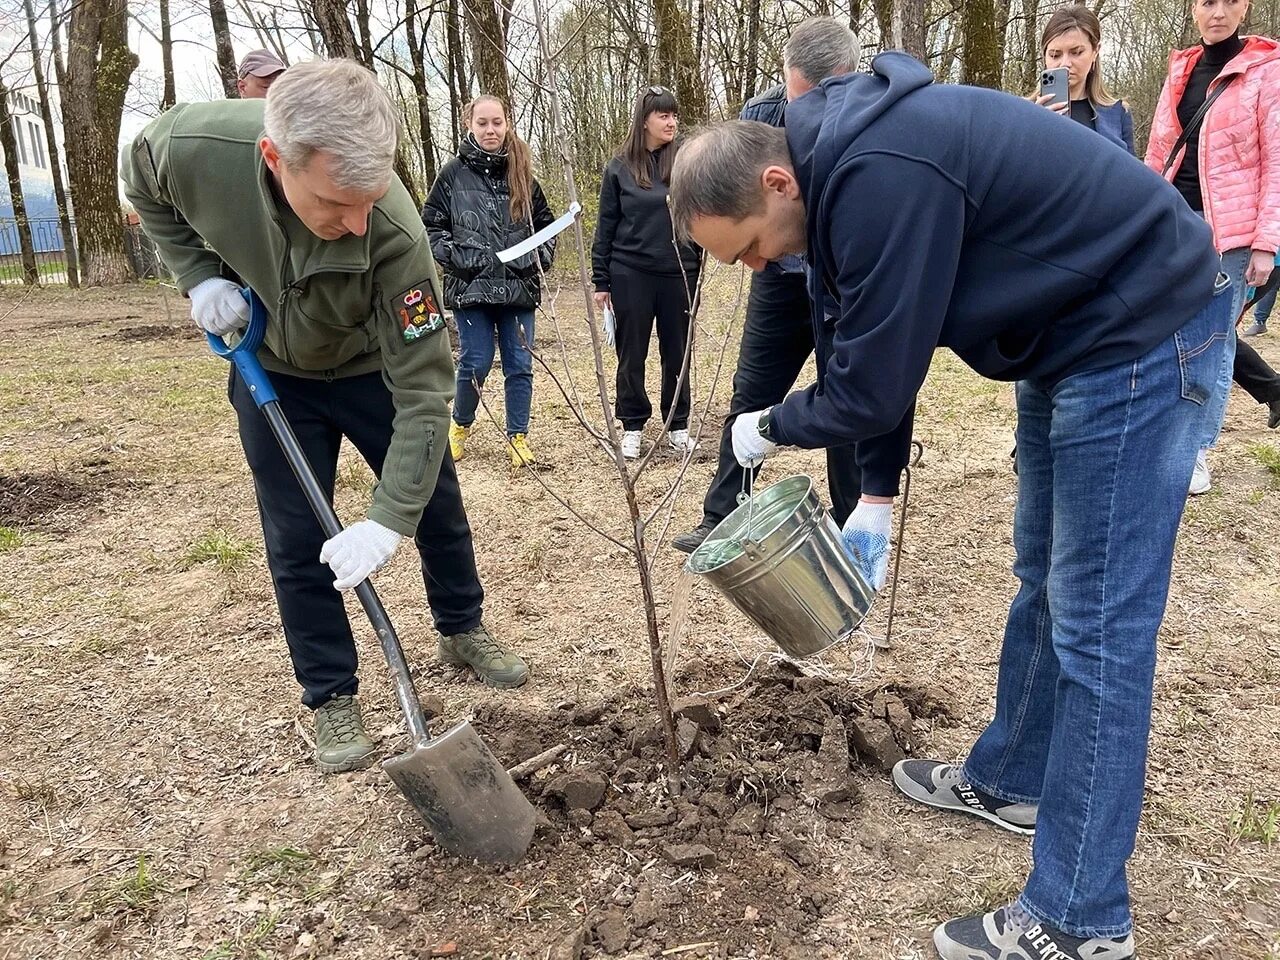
{"type": "Point", "coordinates": [258, 70]}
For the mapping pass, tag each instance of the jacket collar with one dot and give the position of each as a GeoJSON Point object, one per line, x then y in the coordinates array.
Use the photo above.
{"type": "Point", "coordinates": [349, 254]}
{"type": "Point", "coordinates": [1257, 50]}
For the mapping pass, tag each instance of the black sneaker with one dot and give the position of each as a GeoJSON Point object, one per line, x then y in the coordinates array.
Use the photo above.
{"type": "Point", "coordinates": [691, 541]}
{"type": "Point", "coordinates": [943, 785]}
{"type": "Point", "coordinates": [1013, 934]}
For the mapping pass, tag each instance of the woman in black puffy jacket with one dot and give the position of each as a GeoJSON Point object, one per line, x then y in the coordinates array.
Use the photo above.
{"type": "Point", "coordinates": [486, 200]}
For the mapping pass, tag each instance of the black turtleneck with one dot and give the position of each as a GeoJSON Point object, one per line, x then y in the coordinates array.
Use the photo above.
{"type": "Point", "coordinates": [1215, 57]}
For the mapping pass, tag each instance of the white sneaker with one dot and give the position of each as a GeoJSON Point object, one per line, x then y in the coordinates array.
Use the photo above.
{"type": "Point", "coordinates": [631, 441]}
{"type": "Point", "coordinates": [680, 441]}
{"type": "Point", "coordinates": [1200, 480]}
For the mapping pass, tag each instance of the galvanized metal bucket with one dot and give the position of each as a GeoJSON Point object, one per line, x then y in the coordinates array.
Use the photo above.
{"type": "Point", "coordinates": [779, 559]}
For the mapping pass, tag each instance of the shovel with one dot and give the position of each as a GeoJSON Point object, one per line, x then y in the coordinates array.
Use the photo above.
{"type": "Point", "coordinates": [471, 804]}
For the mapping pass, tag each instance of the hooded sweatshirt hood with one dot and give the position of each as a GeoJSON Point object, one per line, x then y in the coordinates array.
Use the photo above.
{"type": "Point", "coordinates": [825, 120]}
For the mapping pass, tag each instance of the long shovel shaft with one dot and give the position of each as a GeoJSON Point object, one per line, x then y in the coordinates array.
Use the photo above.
{"type": "Point", "coordinates": [466, 797]}
{"type": "Point", "coordinates": [332, 526]}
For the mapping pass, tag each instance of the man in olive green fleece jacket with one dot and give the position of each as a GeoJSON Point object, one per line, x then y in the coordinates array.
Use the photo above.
{"type": "Point", "coordinates": [295, 198]}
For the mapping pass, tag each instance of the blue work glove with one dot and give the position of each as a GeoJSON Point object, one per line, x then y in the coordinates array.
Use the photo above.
{"type": "Point", "coordinates": [749, 447]}
{"type": "Point", "coordinates": [866, 540]}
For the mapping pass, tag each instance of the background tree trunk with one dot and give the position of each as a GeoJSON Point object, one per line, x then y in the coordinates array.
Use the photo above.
{"type": "Point", "coordinates": [676, 64]}
{"type": "Point", "coordinates": [980, 61]}
{"type": "Point", "coordinates": [362, 28]}
{"type": "Point", "coordinates": [51, 145]}
{"type": "Point", "coordinates": [222, 44]}
{"type": "Point", "coordinates": [170, 95]}
{"type": "Point", "coordinates": [335, 28]}
{"type": "Point", "coordinates": [416, 55]}
{"type": "Point", "coordinates": [30, 275]}
{"type": "Point", "coordinates": [99, 64]}
{"type": "Point", "coordinates": [914, 29]}
{"type": "Point", "coordinates": [1031, 43]}
{"type": "Point", "coordinates": [488, 48]}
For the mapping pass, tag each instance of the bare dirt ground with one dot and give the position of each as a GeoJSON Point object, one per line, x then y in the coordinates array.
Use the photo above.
{"type": "Point", "coordinates": [157, 799]}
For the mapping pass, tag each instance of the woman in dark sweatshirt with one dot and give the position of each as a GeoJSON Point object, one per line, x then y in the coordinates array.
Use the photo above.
{"type": "Point", "coordinates": [641, 274]}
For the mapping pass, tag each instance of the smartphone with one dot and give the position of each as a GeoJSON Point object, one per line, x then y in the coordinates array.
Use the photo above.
{"type": "Point", "coordinates": [1053, 83]}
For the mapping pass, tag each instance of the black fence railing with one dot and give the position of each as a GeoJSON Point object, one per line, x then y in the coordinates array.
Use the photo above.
{"type": "Point", "coordinates": [51, 252]}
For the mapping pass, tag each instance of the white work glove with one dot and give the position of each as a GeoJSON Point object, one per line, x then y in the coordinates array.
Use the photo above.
{"type": "Point", "coordinates": [749, 447]}
{"type": "Point", "coordinates": [217, 306]}
{"type": "Point", "coordinates": [359, 551]}
{"type": "Point", "coordinates": [866, 540]}
{"type": "Point", "coordinates": [610, 327]}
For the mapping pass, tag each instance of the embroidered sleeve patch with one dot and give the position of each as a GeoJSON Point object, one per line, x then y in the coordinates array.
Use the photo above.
{"type": "Point", "coordinates": [417, 312]}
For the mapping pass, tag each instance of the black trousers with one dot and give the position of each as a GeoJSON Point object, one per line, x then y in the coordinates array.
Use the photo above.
{"type": "Point", "coordinates": [638, 300]}
{"type": "Point", "coordinates": [777, 339]}
{"type": "Point", "coordinates": [1254, 374]}
{"type": "Point", "coordinates": [315, 622]}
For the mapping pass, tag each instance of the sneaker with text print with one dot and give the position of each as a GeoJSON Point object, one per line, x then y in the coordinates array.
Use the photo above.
{"type": "Point", "coordinates": [942, 785]}
{"type": "Point", "coordinates": [1011, 933]}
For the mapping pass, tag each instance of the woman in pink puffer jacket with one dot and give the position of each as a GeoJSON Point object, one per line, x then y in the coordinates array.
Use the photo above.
{"type": "Point", "coordinates": [1229, 170]}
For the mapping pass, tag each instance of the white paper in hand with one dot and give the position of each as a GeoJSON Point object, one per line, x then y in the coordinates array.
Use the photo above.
{"type": "Point", "coordinates": [542, 236]}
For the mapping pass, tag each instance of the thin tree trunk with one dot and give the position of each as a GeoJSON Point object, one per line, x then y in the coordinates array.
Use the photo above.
{"type": "Point", "coordinates": [752, 66]}
{"type": "Point", "coordinates": [99, 64]}
{"type": "Point", "coordinates": [637, 547]}
{"type": "Point", "coordinates": [335, 28]}
{"type": "Point", "coordinates": [222, 44]}
{"type": "Point", "coordinates": [459, 88]}
{"type": "Point", "coordinates": [51, 145]}
{"type": "Point", "coordinates": [420, 91]}
{"type": "Point", "coordinates": [488, 48]}
{"type": "Point", "coordinates": [170, 96]}
{"type": "Point", "coordinates": [55, 43]}
{"type": "Point", "coordinates": [1030, 40]}
{"type": "Point", "coordinates": [912, 14]}
{"type": "Point", "coordinates": [676, 64]}
{"type": "Point", "coordinates": [362, 26]}
{"type": "Point", "coordinates": [981, 57]}
{"type": "Point", "coordinates": [9, 143]}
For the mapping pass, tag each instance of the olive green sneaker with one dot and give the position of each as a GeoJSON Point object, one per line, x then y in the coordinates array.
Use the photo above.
{"type": "Point", "coordinates": [341, 743]}
{"type": "Point", "coordinates": [478, 650]}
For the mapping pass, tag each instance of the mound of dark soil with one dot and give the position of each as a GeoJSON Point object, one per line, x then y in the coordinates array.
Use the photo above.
{"type": "Point", "coordinates": [758, 768]}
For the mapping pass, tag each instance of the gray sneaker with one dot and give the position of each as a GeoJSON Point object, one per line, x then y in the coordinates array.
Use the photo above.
{"type": "Point", "coordinates": [478, 650]}
{"type": "Point", "coordinates": [1011, 933]}
{"type": "Point", "coordinates": [341, 741]}
{"type": "Point", "coordinates": [1255, 329]}
{"type": "Point", "coordinates": [942, 785]}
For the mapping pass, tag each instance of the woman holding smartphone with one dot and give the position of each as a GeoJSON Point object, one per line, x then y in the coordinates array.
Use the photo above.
{"type": "Point", "coordinates": [1216, 138]}
{"type": "Point", "coordinates": [642, 274]}
{"type": "Point", "coordinates": [1071, 41]}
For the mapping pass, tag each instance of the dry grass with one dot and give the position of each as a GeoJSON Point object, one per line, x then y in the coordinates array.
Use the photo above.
{"type": "Point", "coordinates": [157, 802]}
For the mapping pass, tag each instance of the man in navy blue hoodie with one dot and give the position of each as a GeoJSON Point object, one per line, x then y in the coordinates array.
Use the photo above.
{"type": "Point", "coordinates": [949, 216]}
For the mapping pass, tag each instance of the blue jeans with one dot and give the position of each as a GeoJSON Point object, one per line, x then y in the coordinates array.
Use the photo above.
{"type": "Point", "coordinates": [1234, 264]}
{"type": "Point", "coordinates": [476, 329]}
{"type": "Point", "coordinates": [1104, 459]}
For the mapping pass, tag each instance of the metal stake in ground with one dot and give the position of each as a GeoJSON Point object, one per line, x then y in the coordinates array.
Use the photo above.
{"type": "Point", "coordinates": [471, 804]}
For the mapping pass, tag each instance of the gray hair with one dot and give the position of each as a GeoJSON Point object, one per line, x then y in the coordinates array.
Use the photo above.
{"type": "Point", "coordinates": [339, 107]}
{"type": "Point", "coordinates": [717, 171]}
{"type": "Point", "coordinates": [821, 47]}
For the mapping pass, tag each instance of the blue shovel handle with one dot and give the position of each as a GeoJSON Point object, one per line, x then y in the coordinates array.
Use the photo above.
{"type": "Point", "coordinates": [245, 353]}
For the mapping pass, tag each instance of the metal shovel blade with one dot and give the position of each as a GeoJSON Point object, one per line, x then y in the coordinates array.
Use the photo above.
{"type": "Point", "coordinates": [466, 797]}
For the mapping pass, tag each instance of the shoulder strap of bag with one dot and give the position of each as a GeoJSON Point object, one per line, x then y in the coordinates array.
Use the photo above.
{"type": "Point", "coordinates": [1190, 129]}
